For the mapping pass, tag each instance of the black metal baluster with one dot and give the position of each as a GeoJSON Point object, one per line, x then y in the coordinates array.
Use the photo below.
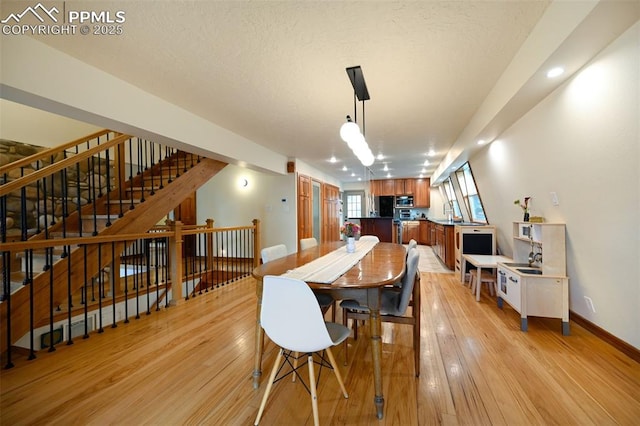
{"type": "Point", "coordinates": [112, 282]}
{"type": "Point", "coordinates": [49, 255]}
{"type": "Point", "coordinates": [6, 256]}
{"type": "Point", "coordinates": [147, 272]}
{"type": "Point", "coordinates": [119, 148]}
{"type": "Point", "coordinates": [85, 295]}
{"type": "Point", "coordinates": [143, 164]}
{"type": "Point", "coordinates": [108, 188]}
{"type": "Point", "coordinates": [69, 296]}
{"type": "Point", "coordinates": [100, 289]}
{"type": "Point", "coordinates": [131, 207]}
{"type": "Point", "coordinates": [160, 166]}
{"type": "Point", "coordinates": [65, 211]}
{"type": "Point", "coordinates": [78, 197]}
{"type": "Point", "coordinates": [153, 171]}
{"type": "Point", "coordinates": [136, 262]}
{"type": "Point", "coordinates": [126, 283]}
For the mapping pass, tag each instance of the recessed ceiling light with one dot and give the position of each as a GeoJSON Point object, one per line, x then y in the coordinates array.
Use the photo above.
{"type": "Point", "coordinates": [344, 168]}
{"type": "Point", "coordinates": [554, 72]}
{"type": "Point", "coordinates": [380, 157]}
{"type": "Point", "coordinates": [481, 142]}
{"type": "Point", "coordinates": [423, 170]}
{"type": "Point", "coordinates": [426, 162]}
{"type": "Point", "coordinates": [431, 153]}
{"type": "Point", "coordinates": [352, 174]}
{"type": "Point", "coordinates": [333, 159]}
{"type": "Point", "coordinates": [420, 175]}
{"type": "Point", "coordinates": [386, 168]}
{"type": "Point", "coordinates": [359, 179]}
{"type": "Point", "coordinates": [388, 175]}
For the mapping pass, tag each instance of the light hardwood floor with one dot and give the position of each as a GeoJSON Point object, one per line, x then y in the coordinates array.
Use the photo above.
{"type": "Point", "coordinates": [191, 364]}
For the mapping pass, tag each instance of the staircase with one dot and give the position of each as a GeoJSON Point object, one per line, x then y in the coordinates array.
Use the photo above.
{"type": "Point", "coordinates": [156, 185]}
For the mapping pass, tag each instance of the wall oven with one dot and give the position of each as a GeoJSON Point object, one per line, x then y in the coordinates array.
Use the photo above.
{"type": "Point", "coordinates": [404, 201]}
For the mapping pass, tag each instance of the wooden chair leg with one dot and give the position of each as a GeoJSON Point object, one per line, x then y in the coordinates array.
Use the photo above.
{"type": "Point", "coordinates": [314, 394]}
{"type": "Point", "coordinates": [295, 365]}
{"type": "Point", "coordinates": [332, 360]}
{"type": "Point", "coordinates": [272, 377]}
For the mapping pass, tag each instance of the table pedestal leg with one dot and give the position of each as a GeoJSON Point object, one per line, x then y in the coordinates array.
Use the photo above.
{"type": "Point", "coordinates": [259, 339]}
{"type": "Point", "coordinates": [376, 351]}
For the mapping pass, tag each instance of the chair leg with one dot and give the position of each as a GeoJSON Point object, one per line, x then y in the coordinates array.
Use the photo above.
{"type": "Point", "coordinates": [295, 365]}
{"type": "Point", "coordinates": [314, 394]}
{"type": "Point", "coordinates": [345, 319]}
{"type": "Point", "coordinates": [332, 360]}
{"type": "Point", "coordinates": [272, 377]}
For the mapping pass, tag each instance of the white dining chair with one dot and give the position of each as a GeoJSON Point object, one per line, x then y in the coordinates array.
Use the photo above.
{"type": "Point", "coordinates": [369, 238]}
{"type": "Point", "coordinates": [306, 243]}
{"type": "Point", "coordinates": [292, 319]}
{"type": "Point", "coordinates": [272, 253]}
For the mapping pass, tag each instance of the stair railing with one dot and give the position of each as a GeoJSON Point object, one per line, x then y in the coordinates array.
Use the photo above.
{"type": "Point", "coordinates": [145, 272]}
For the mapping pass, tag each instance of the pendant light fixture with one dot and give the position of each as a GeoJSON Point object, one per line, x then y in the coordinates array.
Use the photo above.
{"type": "Point", "coordinates": [350, 131]}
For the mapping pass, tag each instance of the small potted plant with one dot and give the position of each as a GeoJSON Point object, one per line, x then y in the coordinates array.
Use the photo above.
{"type": "Point", "coordinates": [350, 230]}
{"type": "Point", "coordinates": [525, 207]}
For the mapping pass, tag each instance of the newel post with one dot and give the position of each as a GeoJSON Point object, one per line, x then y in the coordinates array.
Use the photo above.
{"type": "Point", "coordinates": [256, 243]}
{"type": "Point", "coordinates": [176, 261]}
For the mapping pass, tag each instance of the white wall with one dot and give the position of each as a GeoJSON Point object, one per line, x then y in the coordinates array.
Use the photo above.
{"type": "Point", "coordinates": [20, 123]}
{"type": "Point", "coordinates": [582, 142]}
{"type": "Point", "coordinates": [224, 200]}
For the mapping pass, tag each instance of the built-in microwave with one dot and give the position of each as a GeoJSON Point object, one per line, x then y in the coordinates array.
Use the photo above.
{"type": "Point", "coordinates": [404, 201]}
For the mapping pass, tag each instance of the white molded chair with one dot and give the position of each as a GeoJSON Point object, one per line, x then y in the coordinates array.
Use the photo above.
{"type": "Point", "coordinates": [412, 244]}
{"type": "Point", "coordinates": [393, 306]}
{"type": "Point", "coordinates": [369, 238]}
{"type": "Point", "coordinates": [292, 319]}
{"type": "Point", "coordinates": [274, 252]}
{"type": "Point", "coordinates": [306, 243]}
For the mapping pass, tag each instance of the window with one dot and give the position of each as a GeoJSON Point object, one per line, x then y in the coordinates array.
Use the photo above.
{"type": "Point", "coordinates": [470, 194]}
{"type": "Point", "coordinates": [354, 205]}
{"type": "Point", "coordinates": [454, 207]}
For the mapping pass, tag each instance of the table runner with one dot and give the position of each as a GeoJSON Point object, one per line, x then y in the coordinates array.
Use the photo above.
{"type": "Point", "coordinates": [328, 268]}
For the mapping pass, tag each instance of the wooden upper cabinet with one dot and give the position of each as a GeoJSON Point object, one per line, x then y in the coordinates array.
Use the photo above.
{"type": "Point", "coordinates": [383, 187]}
{"type": "Point", "coordinates": [404, 186]}
{"type": "Point", "coordinates": [422, 193]}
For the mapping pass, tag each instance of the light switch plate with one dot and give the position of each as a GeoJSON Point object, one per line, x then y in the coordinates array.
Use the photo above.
{"type": "Point", "coordinates": [554, 199]}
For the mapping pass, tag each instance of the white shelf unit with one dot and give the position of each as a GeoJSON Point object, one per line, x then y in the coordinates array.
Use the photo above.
{"type": "Point", "coordinates": [545, 295]}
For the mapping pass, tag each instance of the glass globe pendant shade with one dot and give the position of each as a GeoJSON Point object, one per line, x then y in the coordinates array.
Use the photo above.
{"type": "Point", "coordinates": [349, 131]}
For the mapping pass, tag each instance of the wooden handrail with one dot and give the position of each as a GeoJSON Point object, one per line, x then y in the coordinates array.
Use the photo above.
{"type": "Point", "coordinates": [60, 165]}
{"type": "Point", "coordinates": [51, 151]}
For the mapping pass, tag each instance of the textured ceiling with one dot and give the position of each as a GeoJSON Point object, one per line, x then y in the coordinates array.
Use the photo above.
{"type": "Point", "coordinates": [274, 72]}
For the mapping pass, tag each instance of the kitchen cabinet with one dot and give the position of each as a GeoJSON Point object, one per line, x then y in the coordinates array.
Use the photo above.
{"type": "Point", "coordinates": [422, 193]}
{"type": "Point", "coordinates": [546, 292]}
{"type": "Point", "coordinates": [425, 233]}
{"type": "Point", "coordinates": [410, 230]}
{"type": "Point", "coordinates": [404, 186]}
{"type": "Point", "coordinates": [383, 187]}
{"type": "Point", "coordinates": [382, 227]}
{"type": "Point", "coordinates": [444, 244]}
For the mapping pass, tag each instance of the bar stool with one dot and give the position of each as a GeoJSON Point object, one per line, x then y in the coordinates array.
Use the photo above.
{"type": "Point", "coordinates": [486, 277]}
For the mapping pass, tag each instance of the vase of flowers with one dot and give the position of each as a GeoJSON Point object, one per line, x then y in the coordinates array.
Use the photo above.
{"type": "Point", "coordinates": [525, 207]}
{"type": "Point", "coordinates": [350, 230]}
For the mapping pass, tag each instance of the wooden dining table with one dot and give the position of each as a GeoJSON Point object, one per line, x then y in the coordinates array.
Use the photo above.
{"type": "Point", "coordinates": [383, 265]}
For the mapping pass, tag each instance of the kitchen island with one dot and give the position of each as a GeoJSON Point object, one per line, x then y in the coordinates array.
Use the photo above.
{"type": "Point", "coordinates": [382, 227]}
